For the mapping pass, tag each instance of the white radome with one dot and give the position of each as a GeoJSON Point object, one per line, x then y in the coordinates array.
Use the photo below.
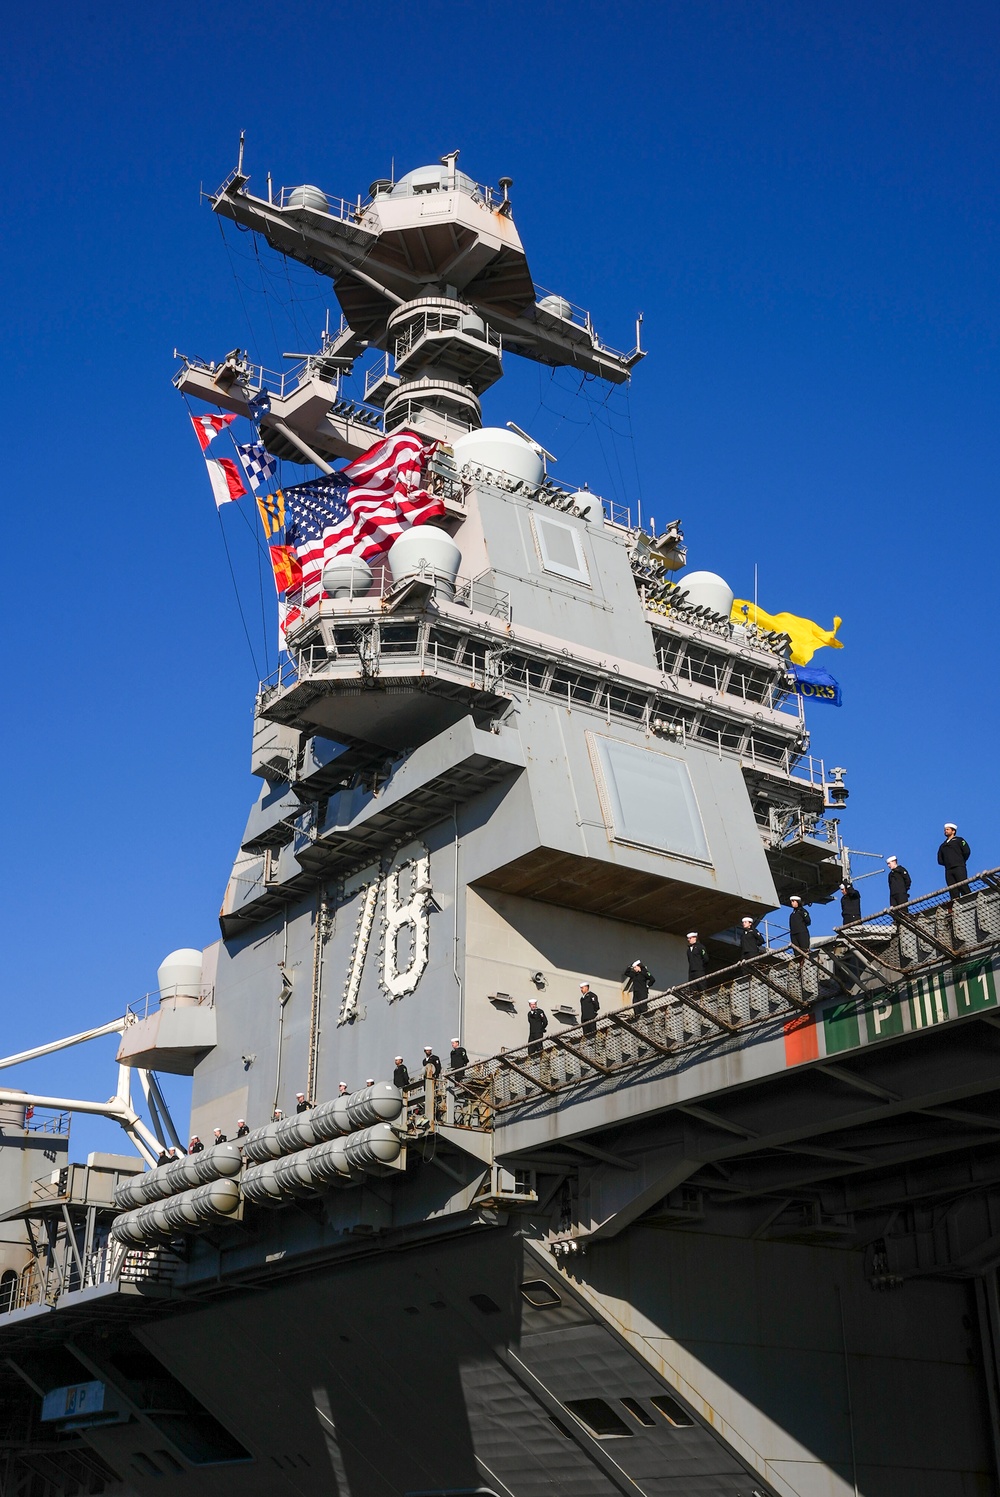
{"type": "Point", "coordinates": [501, 450]}
{"type": "Point", "coordinates": [708, 590]}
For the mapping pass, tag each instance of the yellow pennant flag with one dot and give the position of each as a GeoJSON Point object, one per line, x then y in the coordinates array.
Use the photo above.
{"type": "Point", "coordinates": [806, 636]}
{"type": "Point", "coordinates": [272, 512]}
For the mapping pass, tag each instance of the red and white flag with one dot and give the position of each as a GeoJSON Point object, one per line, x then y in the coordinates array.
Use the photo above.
{"type": "Point", "coordinates": [207, 428]}
{"type": "Point", "coordinates": [385, 496]}
{"type": "Point", "coordinates": [360, 509]}
{"type": "Point", "coordinates": [225, 479]}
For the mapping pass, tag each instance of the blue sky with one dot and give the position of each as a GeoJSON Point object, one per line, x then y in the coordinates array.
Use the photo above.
{"type": "Point", "coordinates": [800, 198]}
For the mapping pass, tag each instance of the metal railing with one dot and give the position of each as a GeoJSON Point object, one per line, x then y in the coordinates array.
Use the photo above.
{"type": "Point", "coordinates": [949, 924]}
{"type": "Point", "coordinates": [45, 1120]}
{"type": "Point", "coordinates": [255, 379]}
{"type": "Point", "coordinates": [578, 316]}
{"type": "Point", "coordinates": [479, 594]}
{"type": "Point", "coordinates": [460, 1101]}
{"type": "Point", "coordinates": [488, 665]}
{"type": "Point", "coordinates": [351, 211]}
{"type": "Point", "coordinates": [440, 320]}
{"type": "Point", "coordinates": [377, 372]}
{"type": "Point", "coordinates": [932, 932]}
{"type": "Point", "coordinates": [336, 207]}
{"type": "Point", "coordinates": [149, 1003]}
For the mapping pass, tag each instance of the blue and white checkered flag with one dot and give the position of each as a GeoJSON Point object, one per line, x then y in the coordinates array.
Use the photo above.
{"type": "Point", "coordinates": [258, 464]}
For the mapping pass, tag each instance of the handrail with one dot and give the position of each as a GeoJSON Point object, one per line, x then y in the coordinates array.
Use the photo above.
{"type": "Point", "coordinates": [896, 945]}
{"type": "Point", "coordinates": [150, 1002]}
{"type": "Point", "coordinates": [622, 700]}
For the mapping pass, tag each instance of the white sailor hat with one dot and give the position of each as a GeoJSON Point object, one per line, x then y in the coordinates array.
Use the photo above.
{"type": "Point", "coordinates": [795, 899]}
{"type": "Point", "coordinates": [692, 935]}
{"type": "Point", "coordinates": [747, 920]}
{"type": "Point", "coordinates": [952, 824]}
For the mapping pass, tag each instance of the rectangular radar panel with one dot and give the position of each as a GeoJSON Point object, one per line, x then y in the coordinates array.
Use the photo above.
{"type": "Point", "coordinates": [649, 800]}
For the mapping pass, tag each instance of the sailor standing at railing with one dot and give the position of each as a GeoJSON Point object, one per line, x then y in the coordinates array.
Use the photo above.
{"type": "Point", "coordinates": [638, 980]}
{"type": "Point", "coordinates": [431, 1063]}
{"type": "Point", "coordinates": [751, 940]}
{"type": "Point", "coordinates": [850, 903]}
{"type": "Point", "coordinates": [590, 1007]}
{"type": "Point", "coordinates": [899, 882]}
{"type": "Point", "coordinates": [953, 855]}
{"type": "Point", "coordinates": [697, 954]}
{"type": "Point", "coordinates": [538, 1023]}
{"type": "Point", "coordinates": [799, 922]}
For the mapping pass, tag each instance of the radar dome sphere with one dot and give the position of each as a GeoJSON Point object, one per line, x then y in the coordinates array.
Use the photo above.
{"type": "Point", "coordinates": [708, 590]}
{"type": "Point", "coordinates": [308, 196]}
{"type": "Point", "coordinates": [429, 179]}
{"type": "Point", "coordinates": [558, 306]}
{"type": "Point", "coordinates": [591, 506]}
{"type": "Point", "coordinates": [501, 450]}
{"type": "Point", "coordinates": [179, 974]}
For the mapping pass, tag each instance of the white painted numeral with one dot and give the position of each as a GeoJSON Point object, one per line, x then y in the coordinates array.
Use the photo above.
{"type": "Point", "coordinates": [400, 915]}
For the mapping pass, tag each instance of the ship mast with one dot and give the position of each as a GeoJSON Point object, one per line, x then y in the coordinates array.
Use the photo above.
{"type": "Point", "coordinates": [430, 271]}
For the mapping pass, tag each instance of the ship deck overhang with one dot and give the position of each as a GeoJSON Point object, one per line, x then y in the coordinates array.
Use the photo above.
{"type": "Point", "coordinates": [897, 1123]}
{"type": "Point", "coordinates": [617, 892]}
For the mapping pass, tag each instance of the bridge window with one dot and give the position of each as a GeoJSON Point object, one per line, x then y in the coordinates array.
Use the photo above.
{"type": "Point", "coordinates": [599, 1417]}
{"type": "Point", "coordinates": [667, 650]}
{"type": "Point", "coordinates": [672, 1411]}
{"type": "Point", "coordinates": [540, 1294]}
{"type": "Point", "coordinates": [521, 670]}
{"type": "Point", "coordinates": [705, 667]}
{"type": "Point", "coordinates": [572, 686]}
{"type": "Point", "coordinates": [637, 1411]}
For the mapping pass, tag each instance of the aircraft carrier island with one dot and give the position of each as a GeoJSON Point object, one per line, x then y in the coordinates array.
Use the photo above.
{"type": "Point", "coordinates": [524, 1157]}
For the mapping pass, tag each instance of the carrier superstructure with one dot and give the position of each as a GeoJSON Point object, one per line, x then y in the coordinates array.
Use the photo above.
{"type": "Point", "coordinates": [687, 1251]}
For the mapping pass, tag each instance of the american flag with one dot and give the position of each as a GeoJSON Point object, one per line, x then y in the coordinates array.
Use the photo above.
{"type": "Point", "coordinates": [362, 508]}
{"type": "Point", "coordinates": [319, 525]}
{"type": "Point", "coordinates": [257, 462]}
{"type": "Point", "coordinates": [386, 496]}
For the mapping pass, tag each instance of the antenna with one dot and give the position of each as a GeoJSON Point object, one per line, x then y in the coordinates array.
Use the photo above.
{"type": "Point", "coordinates": [239, 163]}
{"type": "Point", "coordinates": [513, 426]}
{"type": "Point", "coordinates": [450, 161]}
{"type": "Point", "coordinates": [638, 333]}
